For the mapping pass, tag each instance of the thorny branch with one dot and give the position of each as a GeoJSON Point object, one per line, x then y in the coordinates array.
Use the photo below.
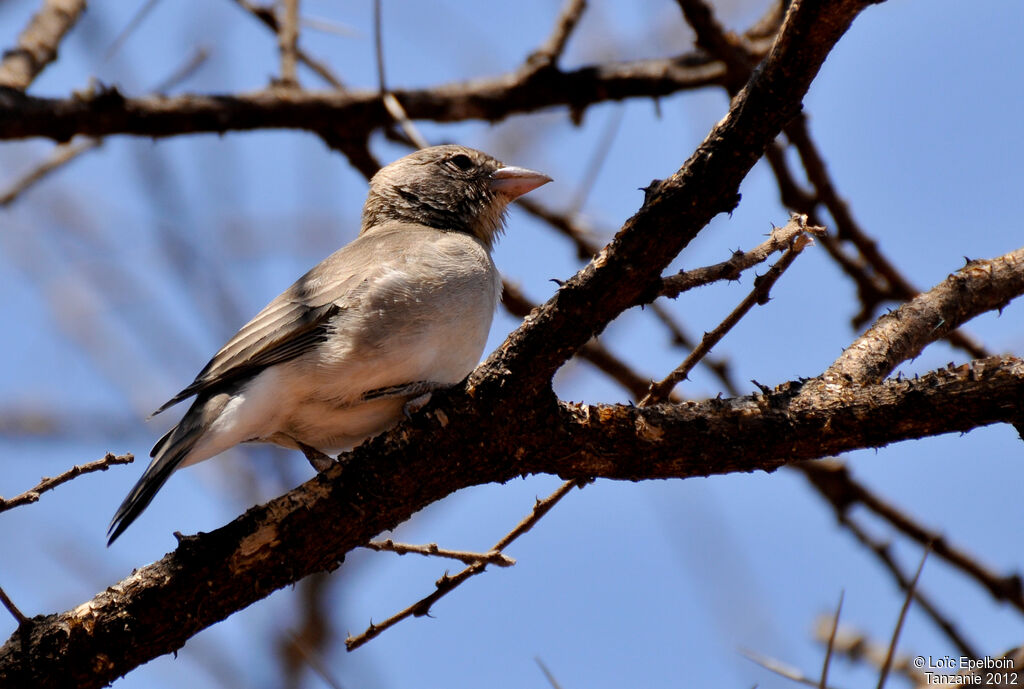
{"type": "Point", "coordinates": [446, 583]}
{"type": "Point", "coordinates": [492, 557]}
{"type": "Point", "coordinates": [780, 239]}
{"type": "Point", "coordinates": [241, 562]}
{"type": "Point", "coordinates": [759, 295]}
{"type": "Point", "coordinates": [877, 278]}
{"type": "Point", "coordinates": [48, 484]}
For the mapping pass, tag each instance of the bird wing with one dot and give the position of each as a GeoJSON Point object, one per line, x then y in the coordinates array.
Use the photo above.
{"type": "Point", "coordinates": [298, 319]}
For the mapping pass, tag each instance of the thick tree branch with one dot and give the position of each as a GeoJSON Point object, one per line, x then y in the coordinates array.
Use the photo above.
{"type": "Point", "coordinates": [381, 484]}
{"type": "Point", "coordinates": [981, 285]}
{"type": "Point", "coordinates": [108, 112]}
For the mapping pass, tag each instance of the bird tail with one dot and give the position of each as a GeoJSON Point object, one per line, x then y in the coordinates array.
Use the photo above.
{"type": "Point", "coordinates": [168, 454]}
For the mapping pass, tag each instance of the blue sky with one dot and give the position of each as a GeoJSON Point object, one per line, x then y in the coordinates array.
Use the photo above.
{"type": "Point", "coordinates": [654, 584]}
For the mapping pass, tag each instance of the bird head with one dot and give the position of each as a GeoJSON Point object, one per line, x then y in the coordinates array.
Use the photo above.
{"type": "Point", "coordinates": [450, 188]}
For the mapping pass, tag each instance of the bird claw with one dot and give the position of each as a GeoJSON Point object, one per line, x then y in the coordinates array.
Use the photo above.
{"type": "Point", "coordinates": [415, 404]}
{"type": "Point", "coordinates": [317, 459]}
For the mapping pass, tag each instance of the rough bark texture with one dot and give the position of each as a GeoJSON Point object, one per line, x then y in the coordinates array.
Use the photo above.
{"type": "Point", "coordinates": [157, 608]}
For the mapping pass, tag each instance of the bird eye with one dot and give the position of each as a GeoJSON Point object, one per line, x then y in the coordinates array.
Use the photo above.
{"type": "Point", "coordinates": [461, 161]}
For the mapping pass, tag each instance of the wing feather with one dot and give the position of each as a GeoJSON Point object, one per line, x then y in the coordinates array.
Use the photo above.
{"type": "Point", "coordinates": [299, 318]}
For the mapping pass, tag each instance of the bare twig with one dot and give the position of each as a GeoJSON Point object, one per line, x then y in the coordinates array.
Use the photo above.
{"type": "Point", "coordinates": [720, 368]}
{"type": "Point", "coordinates": [378, 45]}
{"type": "Point", "coordinates": [834, 482]}
{"type": "Point", "coordinates": [447, 583]}
{"type": "Point", "coordinates": [597, 160]}
{"type": "Point", "coordinates": [195, 60]}
{"type": "Point", "coordinates": [781, 238]}
{"type": "Point", "coordinates": [547, 55]}
{"type": "Point", "coordinates": [268, 18]}
{"type": "Point", "coordinates": [780, 668]}
{"type": "Point", "coordinates": [759, 295]}
{"type": "Point", "coordinates": [134, 23]}
{"type": "Point", "coordinates": [548, 675]}
{"type": "Point", "coordinates": [831, 644]}
{"type": "Point", "coordinates": [47, 484]}
{"type": "Point", "coordinates": [883, 553]}
{"type": "Point", "coordinates": [494, 557]}
{"type": "Point", "coordinates": [314, 661]}
{"type": "Point", "coordinates": [391, 104]}
{"type": "Point", "coordinates": [61, 155]}
{"type": "Point", "coordinates": [288, 40]}
{"type": "Point", "coordinates": [37, 43]}
{"type": "Point", "coordinates": [64, 153]}
{"type": "Point", "coordinates": [891, 652]}
{"type": "Point", "coordinates": [12, 608]}
{"type": "Point", "coordinates": [856, 646]}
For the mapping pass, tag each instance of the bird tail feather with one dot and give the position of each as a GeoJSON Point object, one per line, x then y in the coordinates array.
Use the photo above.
{"type": "Point", "coordinates": [168, 454]}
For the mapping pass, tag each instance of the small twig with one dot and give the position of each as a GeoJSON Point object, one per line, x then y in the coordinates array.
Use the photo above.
{"type": "Point", "coordinates": [831, 644]}
{"type": "Point", "coordinates": [288, 41]}
{"type": "Point", "coordinates": [548, 675]}
{"type": "Point", "coordinates": [391, 104]}
{"type": "Point", "coordinates": [315, 662]}
{"type": "Point", "coordinates": [882, 552]}
{"type": "Point", "coordinates": [328, 26]}
{"type": "Point", "coordinates": [61, 155]}
{"type": "Point", "coordinates": [12, 608]}
{"type": "Point", "coordinates": [547, 55]}
{"type": "Point", "coordinates": [570, 227]}
{"type": "Point", "coordinates": [759, 295]}
{"type": "Point", "coordinates": [835, 483]}
{"type": "Point", "coordinates": [604, 145]}
{"type": "Point", "coordinates": [134, 23]}
{"type": "Point", "coordinates": [267, 17]}
{"type": "Point", "coordinates": [780, 238]}
{"type": "Point", "coordinates": [378, 45]}
{"type": "Point", "coordinates": [47, 484]}
{"type": "Point", "coordinates": [720, 368]}
{"type": "Point", "coordinates": [494, 557]}
{"type": "Point", "coordinates": [891, 652]}
{"type": "Point", "coordinates": [780, 668]}
{"type": "Point", "coordinates": [37, 43]}
{"type": "Point", "coordinates": [447, 583]}
{"type": "Point", "coordinates": [195, 60]}
{"type": "Point", "coordinates": [858, 647]}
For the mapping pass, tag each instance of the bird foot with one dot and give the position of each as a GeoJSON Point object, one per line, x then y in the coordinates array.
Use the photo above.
{"type": "Point", "coordinates": [415, 404]}
{"type": "Point", "coordinates": [317, 459]}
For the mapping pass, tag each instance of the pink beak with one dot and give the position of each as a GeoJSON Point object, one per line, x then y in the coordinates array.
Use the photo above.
{"type": "Point", "coordinates": [513, 182]}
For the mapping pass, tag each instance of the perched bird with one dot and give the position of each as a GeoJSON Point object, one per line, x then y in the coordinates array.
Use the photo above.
{"type": "Point", "coordinates": [402, 310]}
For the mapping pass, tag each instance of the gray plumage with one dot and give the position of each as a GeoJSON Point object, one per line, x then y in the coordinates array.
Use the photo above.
{"type": "Point", "coordinates": [403, 309]}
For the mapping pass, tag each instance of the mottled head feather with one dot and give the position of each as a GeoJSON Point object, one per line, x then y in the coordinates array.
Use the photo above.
{"type": "Point", "coordinates": [445, 187]}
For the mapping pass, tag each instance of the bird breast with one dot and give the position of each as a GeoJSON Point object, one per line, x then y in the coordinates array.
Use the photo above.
{"type": "Point", "coordinates": [422, 320]}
